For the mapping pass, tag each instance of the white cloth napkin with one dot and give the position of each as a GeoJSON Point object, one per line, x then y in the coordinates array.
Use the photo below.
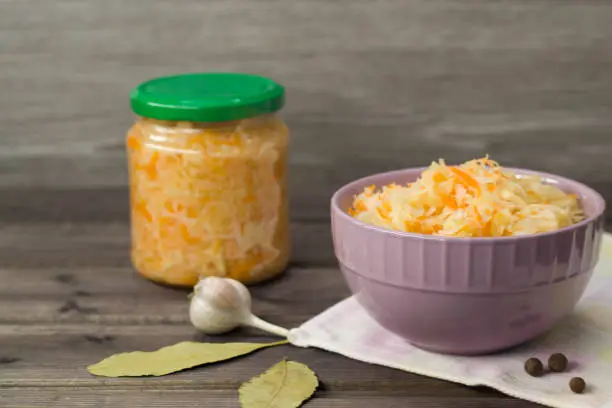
{"type": "Point", "coordinates": [585, 338]}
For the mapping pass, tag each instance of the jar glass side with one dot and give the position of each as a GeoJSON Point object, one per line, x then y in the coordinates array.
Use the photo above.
{"type": "Point", "coordinates": [209, 199]}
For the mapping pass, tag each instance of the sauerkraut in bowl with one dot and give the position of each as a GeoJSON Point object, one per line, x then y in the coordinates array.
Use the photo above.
{"type": "Point", "coordinates": [478, 198]}
{"type": "Point", "coordinates": [515, 246]}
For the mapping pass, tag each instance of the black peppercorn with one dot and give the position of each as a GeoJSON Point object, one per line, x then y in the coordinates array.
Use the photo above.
{"type": "Point", "coordinates": [534, 367]}
{"type": "Point", "coordinates": [557, 362]}
{"type": "Point", "coordinates": [577, 385]}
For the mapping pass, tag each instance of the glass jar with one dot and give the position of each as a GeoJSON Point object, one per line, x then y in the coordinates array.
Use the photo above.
{"type": "Point", "coordinates": [207, 162]}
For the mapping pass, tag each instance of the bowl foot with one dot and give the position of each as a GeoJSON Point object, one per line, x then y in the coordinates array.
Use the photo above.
{"type": "Point", "coordinates": [455, 351]}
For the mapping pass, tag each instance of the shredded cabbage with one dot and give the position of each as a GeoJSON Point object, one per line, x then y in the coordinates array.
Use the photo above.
{"type": "Point", "coordinates": [476, 199]}
{"type": "Point", "coordinates": [208, 199]}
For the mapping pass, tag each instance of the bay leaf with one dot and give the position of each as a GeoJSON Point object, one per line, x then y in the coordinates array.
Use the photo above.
{"type": "Point", "coordinates": [166, 360]}
{"type": "Point", "coordinates": [284, 385]}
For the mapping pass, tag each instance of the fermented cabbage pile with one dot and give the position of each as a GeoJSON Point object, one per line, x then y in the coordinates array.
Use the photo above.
{"type": "Point", "coordinates": [209, 200]}
{"type": "Point", "coordinates": [476, 199]}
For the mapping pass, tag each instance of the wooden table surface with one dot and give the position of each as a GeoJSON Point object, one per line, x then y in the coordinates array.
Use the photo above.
{"type": "Point", "coordinates": [372, 86]}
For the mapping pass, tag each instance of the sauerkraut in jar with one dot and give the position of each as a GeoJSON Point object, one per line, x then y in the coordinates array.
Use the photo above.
{"type": "Point", "coordinates": [207, 162]}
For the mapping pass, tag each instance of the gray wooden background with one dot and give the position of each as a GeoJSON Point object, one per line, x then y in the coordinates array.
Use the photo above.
{"type": "Point", "coordinates": [372, 85]}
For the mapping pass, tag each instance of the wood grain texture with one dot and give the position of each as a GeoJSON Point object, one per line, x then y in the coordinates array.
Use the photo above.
{"type": "Point", "coordinates": [168, 397]}
{"type": "Point", "coordinates": [90, 245]}
{"type": "Point", "coordinates": [372, 86]}
{"type": "Point", "coordinates": [118, 296]}
{"type": "Point", "coordinates": [49, 360]}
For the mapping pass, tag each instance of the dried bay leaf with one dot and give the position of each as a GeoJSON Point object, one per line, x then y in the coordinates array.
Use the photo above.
{"type": "Point", "coordinates": [166, 360]}
{"type": "Point", "coordinates": [285, 385]}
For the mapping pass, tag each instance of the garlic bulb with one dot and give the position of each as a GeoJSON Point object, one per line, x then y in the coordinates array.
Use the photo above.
{"type": "Point", "coordinates": [219, 305]}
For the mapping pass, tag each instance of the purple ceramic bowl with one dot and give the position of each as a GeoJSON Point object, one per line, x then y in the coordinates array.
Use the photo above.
{"type": "Point", "coordinates": [466, 295]}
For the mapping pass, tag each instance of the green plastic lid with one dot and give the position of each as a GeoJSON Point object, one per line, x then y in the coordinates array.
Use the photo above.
{"type": "Point", "coordinates": [207, 97]}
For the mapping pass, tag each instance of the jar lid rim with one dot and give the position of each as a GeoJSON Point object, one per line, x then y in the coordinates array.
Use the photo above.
{"type": "Point", "coordinates": [207, 97]}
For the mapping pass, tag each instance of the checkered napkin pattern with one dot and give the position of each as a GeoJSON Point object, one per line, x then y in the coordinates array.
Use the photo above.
{"type": "Point", "coordinates": [585, 338]}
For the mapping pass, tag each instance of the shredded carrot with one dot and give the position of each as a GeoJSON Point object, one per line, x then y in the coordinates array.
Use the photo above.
{"type": "Point", "coordinates": [382, 212]}
{"type": "Point", "coordinates": [466, 179]}
{"type": "Point", "coordinates": [450, 202]}
{"type": "Point", "coordinates": [478, 216]}
{"type": "Point", "coordinates": [486, 231]}
{"type": "Point", "coordinates": [386, 205]}
{"type": "Point", "coordinates": [187, 237]}
{"type": "Point", "coordinates": [151, 167]}
{"type": "Point", "coordinates": [133, 143]}
{"type": "Point", "coordinates": [140, 207]}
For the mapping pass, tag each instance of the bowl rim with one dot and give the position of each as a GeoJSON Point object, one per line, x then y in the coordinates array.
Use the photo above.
{"type": "Point", "coordinates": [591, 192]}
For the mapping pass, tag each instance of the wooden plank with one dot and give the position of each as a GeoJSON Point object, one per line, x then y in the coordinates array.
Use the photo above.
{"type": "Point", "coordinates": [43, 346]}
{"type": "Point", "coordinates": [442, 56]}
{"type": "Point", "coordinates": [93, 281]}
{"type": "Point", "coordinates": [527, 81]}
{"type": "Point", "coordinates": [116, 296]}
{"type": "Point", "coordinates": [60, 360]}
{"type": "Point", "coordinates": [107, 245]}
{"type": "Point", "coordinates": [168, 397]}
{"type": "Point", "coordinates": [345, 149]}
{"type": "Point", "coordinates": [335, 143]}
{"type": "Point", "coordinates": [310, 191]}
